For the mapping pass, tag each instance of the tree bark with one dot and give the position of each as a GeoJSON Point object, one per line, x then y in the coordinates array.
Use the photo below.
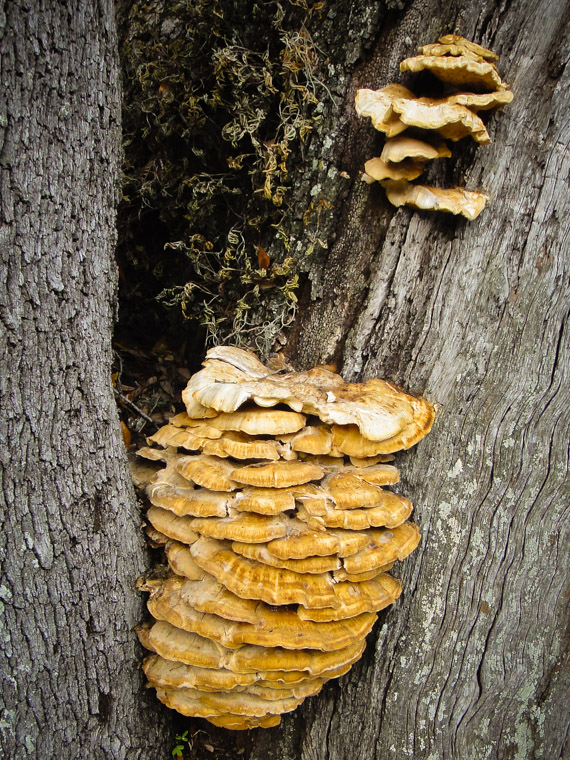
{"type": "Point", "coordinates": [71, 545]}
{"type": "Point", "coordinates": [472, 662]}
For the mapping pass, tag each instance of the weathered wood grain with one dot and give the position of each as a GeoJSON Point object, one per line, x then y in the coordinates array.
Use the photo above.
{"type": "Point", "coordinates": [472, 662]}
{"type": "Point", "coordinates": [70, 545]}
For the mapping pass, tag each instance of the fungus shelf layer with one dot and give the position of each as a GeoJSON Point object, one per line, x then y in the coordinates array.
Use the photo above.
{"type": "Point", "coordinates": [472, 83]}
{"type": "Point", "coordinates": [279, 531]}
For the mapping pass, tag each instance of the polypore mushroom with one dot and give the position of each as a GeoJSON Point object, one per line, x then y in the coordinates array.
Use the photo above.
{"type": "Point", "coordinates": [283, 628]}
{"type": "Point", "coordinates": [312, 564]}
{"type": "Point", "coordinates": [385, 546]}
{"type": "Point", "coordinates": [379, 409]}
{"type": "Point", "coordinates": [258, 421]}
{"type": "Point", "coordinates": [367, 461]}
{"type": "Point", "coordinates": [393, 511]}
{"type": "Point", "coordinates": [265, 501]}
{"type": "Point", "coordinates": [343, 575]}
{"type": "Point", "coordinates": [377, 104]}
{"type": "Point", "coordinates": [259, 523]}
{"type": "Point", "coordinates": [188, 501]}
{"type": "Point", "coordinates": [161, 672]}
{"type": "Point", "coordinates": [311, 440]}
{"type": "Point", "coordinates": [317, 543]}
{"type": "Point", "coordinates": [204, 704]}
{"type": "Point", "coordinates": [440, 49]}
{"type": "Point", "coordinates": [256, 581]}
{"type": "Point", "coordinates": [376, 169]}
{"type": "Point", "coordinates": [450, 120]}
{"type": "Point", "coordinates": [461, 70]}
{"type": "Point", "coordinates": [213, 473]}
{"type": "Point", "coordinates": [397, 149]}
{"type": "Point", "coordinates": [242, 446]}
{"type": "Point", "coordinates": [350, 492]}
{"type": "Point", "coordinates": [278, 474]}
{"type": "Point", "coordinates": [355, 600]}
{"type": "Point", "coordinates": [169, 435]}
{"type": "Point", "coordinates": [457, 62]}
{"type": "Point", "coordinates": [375, 474]}
{"type": "Point", "coordinates": [452, 200]}
{"type": "Point", "coordinates": [464, 45]}
{"type": "Point", "coordinates": [172, 526]}
{"type": "Point", "coordinates": [190, 648]}
{"type": "Point", "coordinates": [202, 595]}
{"type": "Point", "coordinates": [481, 101]}
{"type": "Point", "coordinates": [247, 527]}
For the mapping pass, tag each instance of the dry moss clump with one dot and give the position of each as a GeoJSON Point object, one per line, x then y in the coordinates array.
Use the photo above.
{"type": "Point", "coordinates": [219, 97]}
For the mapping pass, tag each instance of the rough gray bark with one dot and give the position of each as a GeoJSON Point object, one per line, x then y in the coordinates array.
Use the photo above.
{"type": "Point", "coordinates": [472, 662]}
{"type": "Point", "coordinates": [71, 546]}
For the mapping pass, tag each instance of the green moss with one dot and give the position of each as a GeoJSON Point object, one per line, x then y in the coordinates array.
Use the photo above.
{"type": "Point", "coordinates": [220, 98]}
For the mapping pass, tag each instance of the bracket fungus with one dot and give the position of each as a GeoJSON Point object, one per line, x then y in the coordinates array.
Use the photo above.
{"type": "Point", "coordinates": [455, 200]}
{"type": "Point", "coordinates": [472, 83]}
{"type": "Point", "coordinates": [279, 532]}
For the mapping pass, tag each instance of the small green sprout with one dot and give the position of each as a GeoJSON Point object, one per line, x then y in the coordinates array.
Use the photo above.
{"type": "Point", "coordinates": [184, 742]}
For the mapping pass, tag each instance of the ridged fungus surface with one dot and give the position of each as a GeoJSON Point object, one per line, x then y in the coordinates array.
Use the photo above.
{"type": "Point", "coordinates": [273, 510]}
{"type": "Point", "coordinates": [471, 83]}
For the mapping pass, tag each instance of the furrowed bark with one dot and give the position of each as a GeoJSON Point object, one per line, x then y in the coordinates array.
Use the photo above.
{"type": "Point", "coordinates": [71, 546]}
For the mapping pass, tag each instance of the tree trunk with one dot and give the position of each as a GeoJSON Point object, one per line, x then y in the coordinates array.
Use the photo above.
{"type": "Point", "coordinates": [472, 662]}
{"type": "Point", "coordinates": [71, 541]}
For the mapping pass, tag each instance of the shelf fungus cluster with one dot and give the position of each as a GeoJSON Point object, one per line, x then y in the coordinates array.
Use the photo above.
{"type": "Point", "coordinates": [417, 128]}
{"type": "Point", "coordinates": [279, 531]}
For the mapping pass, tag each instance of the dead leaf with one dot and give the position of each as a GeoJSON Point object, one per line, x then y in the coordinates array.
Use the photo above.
{"type": "Point", "coordinates": [262, 258]}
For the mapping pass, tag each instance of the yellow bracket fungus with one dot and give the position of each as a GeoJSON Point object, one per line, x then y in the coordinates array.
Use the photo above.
{"type": "Point", "coordinates": [459, 63]}
{"type": "Point", "coordinates": [279, 531]}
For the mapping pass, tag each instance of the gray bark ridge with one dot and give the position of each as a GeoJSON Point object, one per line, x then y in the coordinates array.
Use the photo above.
{"type": "Point", "coordinates": [70, 546]}
{"type": "Point", "coordinates": [472, 662]}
